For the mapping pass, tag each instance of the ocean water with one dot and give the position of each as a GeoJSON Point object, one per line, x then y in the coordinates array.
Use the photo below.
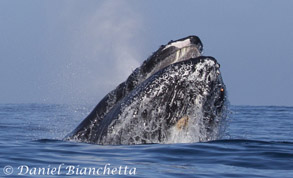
{"type": "Point", "coordinates": [258, 143]}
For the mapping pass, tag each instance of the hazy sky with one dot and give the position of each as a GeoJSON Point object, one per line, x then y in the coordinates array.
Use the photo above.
{"type": "Point", "coordinates": [76, 51]}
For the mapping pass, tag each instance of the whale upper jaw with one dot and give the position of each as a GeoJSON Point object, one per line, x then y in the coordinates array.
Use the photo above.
{"type": "Point", "coordinates": [173, 52]}
{"type": "Point", "coordinates": [184, 42]}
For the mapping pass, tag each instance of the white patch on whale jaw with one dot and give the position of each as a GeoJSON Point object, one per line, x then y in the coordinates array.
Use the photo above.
{"type": "Point", "coordinates": [190, 133]}
{"type": "Point", "coordinates": [179, 44]}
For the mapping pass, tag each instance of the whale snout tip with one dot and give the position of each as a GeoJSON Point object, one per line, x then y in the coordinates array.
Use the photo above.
{"type": "Point", "coordinates": [196, 41]}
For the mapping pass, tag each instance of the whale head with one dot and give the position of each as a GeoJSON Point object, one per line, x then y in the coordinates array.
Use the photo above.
{"type": "Point", "coordinates": [175, 96]}
{"type": "Point", "coordinates": [173, 52]}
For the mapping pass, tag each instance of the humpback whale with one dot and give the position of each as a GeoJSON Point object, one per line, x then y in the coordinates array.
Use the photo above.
{"type": "Point", "coordinates": [176, 95]}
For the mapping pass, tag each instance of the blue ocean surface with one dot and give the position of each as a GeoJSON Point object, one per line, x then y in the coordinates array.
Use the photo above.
{"type": "Point", "coordinates": [258, 143]}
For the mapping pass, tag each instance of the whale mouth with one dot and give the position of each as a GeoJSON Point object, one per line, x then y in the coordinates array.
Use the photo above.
{"type": "Point", "coordinates": [175, 51]}
{"type": "Point", "coordinates": [184, 42]}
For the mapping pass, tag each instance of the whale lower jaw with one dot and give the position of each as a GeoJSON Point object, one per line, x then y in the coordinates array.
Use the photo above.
{"type": "Point", "coordinates": [169, 107]}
